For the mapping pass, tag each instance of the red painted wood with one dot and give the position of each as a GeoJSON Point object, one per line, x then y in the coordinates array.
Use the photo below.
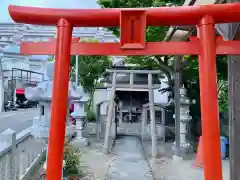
{"type": "Point", "coordinates": [209, 100]}
{"type": "Point", "coordinates": [74, 40]}
{"type": "Point", "coordinates": [206, 47]}
{"type": "Point", "coordinates": [152, 48]}
{"type": "Point", "coordinates": [160, 16]}
{"type": "Point", "coordinates": [59, 105]}
{"type": "Point", "coordinates": [132, 29]}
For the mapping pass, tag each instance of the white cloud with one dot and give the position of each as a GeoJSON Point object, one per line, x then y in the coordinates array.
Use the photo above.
{"type": "Point", "coordinates": [70, 4]}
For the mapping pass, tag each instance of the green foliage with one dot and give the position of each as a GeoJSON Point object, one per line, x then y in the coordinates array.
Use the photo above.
{"type": "Point", "coordinates": [51, 58]}
{"type": "Point", "coordinates": [153, 34]}
{"type": "Point", "coordinates": [90, 69]}
{"type": "Point", "coordinates": [190, 74]}
{"type": "Point", "coordinates": [223, 96]}
{"type": "Point", "coordinates": [191, 80]}
{"type": "Point", "coordinates": [72, 160]}
{"type": "Point", "coordinates": [91, 115]}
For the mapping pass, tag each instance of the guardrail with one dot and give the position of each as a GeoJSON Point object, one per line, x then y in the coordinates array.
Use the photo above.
{"type": "Point", "coordinates": [20, 152]}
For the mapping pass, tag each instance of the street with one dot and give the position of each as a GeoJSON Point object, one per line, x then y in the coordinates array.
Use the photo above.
{"type": "Point", "coordinates": [17, 120]}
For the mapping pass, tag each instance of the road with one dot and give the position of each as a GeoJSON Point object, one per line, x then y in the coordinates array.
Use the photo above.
{"type": "Point", "coordinates": [17, 120]}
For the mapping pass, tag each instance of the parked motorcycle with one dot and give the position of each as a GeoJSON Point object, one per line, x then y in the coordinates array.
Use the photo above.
{"type": "Point", "coordinates": [10, 106]}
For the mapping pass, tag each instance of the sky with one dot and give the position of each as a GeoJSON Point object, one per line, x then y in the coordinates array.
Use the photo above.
{"type": "Point", "coordinates": [70, 4]}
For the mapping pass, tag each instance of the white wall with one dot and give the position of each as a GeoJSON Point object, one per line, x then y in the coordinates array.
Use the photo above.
{"type": "Point", "coordinates": [37, 66]}
{"type": "Point", "coordinates": [10, 62]}
{"type": "Point", "coordinates": [159, 97]}
{"type": "Point", "coordinates": [101, 95]}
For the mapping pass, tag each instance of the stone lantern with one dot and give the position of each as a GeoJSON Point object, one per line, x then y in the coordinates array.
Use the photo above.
{"type": "Point", "coordinates": [43, 94]}
{"type": "Point", "coordinates": [185, 117]}
{"type": "Point", "coordinates": [79, 100]}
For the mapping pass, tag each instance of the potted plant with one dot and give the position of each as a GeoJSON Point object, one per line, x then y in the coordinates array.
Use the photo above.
{"type": "Point", "coordinates": [72, 164]}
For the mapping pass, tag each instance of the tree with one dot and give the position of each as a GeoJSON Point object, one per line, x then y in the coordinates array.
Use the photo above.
{"type": "Point", "coordinates": [153, 34]}
{"type": "Point", "coordinates": [190, 77]}
{"type": "Point", "coordinates": [90, 69]}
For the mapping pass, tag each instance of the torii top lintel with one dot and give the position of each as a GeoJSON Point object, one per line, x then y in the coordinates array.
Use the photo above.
{"type": "Point", "coordinates": [161, 16]}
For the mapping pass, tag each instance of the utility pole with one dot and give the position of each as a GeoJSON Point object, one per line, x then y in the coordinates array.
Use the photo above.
{"type": "Point", "coordinates": [1, 85]}
{"type": "Point", "coordinates": [76, 71]}
{"type": "Point", "coordinates": [177, 87]}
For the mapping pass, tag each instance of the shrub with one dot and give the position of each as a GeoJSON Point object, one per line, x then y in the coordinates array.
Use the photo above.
{"type": "Point", "coordinates": [72, 157]}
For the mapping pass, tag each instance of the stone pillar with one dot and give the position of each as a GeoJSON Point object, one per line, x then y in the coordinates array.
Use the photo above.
{"type": "Point", "coordinates": [152, 116]}
{"type": "Point", "coordinates": [9, 137]}
{"type": "Point", "coordinates": [114, 124]}
{"type": "Point", "coordinates": [163, 123]}
{"type": "Point", "coordinates": [98, 123]}
{"type": "Point", "coordinates": [131, 79]}
{"type": "Point", "coordinates": [144, 121]}
{"type": "Point", "coordinates": [177, 105]}
{"type": "Point", "coordinates": [120, 118]}
{"type": "Point", "coordinates": [110, 115]}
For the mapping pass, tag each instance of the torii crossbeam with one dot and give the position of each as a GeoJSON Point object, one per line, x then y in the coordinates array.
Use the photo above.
{"type": "Point", "coordinates": [132, 24]}
{"type": "Point", "coordinates": [152, 48]}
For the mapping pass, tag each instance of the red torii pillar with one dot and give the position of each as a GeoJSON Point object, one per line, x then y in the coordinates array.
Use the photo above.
{"type": "Point", "coordinates": [133, 44]}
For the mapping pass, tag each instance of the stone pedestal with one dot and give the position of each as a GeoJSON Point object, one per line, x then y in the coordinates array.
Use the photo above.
{"type": "Point", "coordinates": [80, 117]}
{"type": "Point", "coordinates": [43, 94]}
{"type": "Point", "coordinates": [41, 125]}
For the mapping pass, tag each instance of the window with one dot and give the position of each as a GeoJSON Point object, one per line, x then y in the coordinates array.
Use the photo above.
{"type": "Point", "coordinates": [42, 110]}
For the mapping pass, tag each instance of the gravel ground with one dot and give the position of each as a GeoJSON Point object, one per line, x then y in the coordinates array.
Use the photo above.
{"type": "Point", "coordinates": [165, 168]}
{"type": "Point", "coordinates": [128, 162]}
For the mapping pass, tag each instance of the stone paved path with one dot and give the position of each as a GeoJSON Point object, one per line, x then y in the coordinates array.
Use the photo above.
{"type": "Point", "coordinates": [128, 162]}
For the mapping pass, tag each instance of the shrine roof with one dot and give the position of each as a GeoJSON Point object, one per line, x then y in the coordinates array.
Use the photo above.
{"type": "Point", "coordinates": [175, 34]}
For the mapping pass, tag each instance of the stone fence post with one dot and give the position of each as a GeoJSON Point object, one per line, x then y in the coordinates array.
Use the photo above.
{"type": "Point", "coordinates": [13, 165]}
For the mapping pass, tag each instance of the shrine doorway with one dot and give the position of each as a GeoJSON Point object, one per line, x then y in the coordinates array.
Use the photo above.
{"type": "Point", "coordinates": [130, 104]}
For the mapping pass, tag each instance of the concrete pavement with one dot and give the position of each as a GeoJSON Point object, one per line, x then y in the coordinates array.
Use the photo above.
{"type": "Point", "coordinates": [129, 162]}
{"type": "Point", "coordinates": [125, 162]}
{"type": "Point", "coordinates": [17, 120]}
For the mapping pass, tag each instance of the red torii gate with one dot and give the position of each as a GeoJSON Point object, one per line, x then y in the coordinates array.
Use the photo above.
{"type": "Point", "coordinates": [132, 24]}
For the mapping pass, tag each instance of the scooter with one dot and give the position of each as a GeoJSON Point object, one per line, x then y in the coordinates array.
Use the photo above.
{"type": "Point", "coordinates": [10, 106]}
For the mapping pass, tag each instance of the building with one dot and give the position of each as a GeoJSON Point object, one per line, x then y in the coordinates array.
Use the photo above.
{"type": "Point", "coordinates": [18, 70]}
{"type": "Point", "coordinates": [229, 31]}
{"type": "Point", "coordinates": [16, 67]}
{"type": "Point", "coordinates": [132, 90]}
